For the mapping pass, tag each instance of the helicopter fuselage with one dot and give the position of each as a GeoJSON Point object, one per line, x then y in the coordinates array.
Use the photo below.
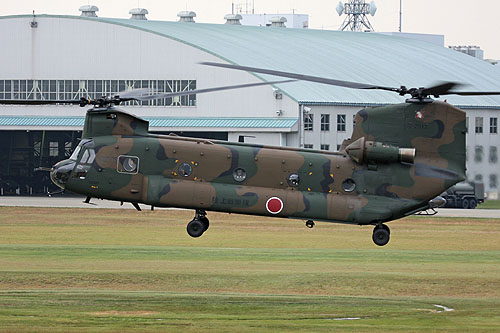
{"type": "Point", "coordinates": [398, 159]}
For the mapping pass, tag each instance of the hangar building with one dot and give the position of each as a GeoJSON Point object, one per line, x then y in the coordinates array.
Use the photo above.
{"type": "Point", "coordinates": [64, 57]}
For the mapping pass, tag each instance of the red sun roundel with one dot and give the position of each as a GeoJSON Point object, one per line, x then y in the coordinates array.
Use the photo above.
{"type": "Point", "coordinates": [274, 205]}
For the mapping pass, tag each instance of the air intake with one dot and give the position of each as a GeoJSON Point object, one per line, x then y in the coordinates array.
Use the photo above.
{"type": "Point", "coordinates": [278, 22]}
{"type": "Point", "coordinates": [89, 10]}
{"type": "Point", "coordinates": [233, 19]}
{"type": "Point", "coordinates": [138, 14]}
{"type": "Point", "coordinates": [186, 16]}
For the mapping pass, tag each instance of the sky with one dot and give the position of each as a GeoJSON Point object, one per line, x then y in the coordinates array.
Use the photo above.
{"type": "Point", "coordinates": [461, 22]}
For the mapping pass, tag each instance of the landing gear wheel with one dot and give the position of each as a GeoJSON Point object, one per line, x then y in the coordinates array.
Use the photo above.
{"type": "Point", "coordinates": [195, 228]}
{"type": "Point", "coordinates": [205, 223]}
{"type": "Point", "coordinates": [472, 204]}
{"type": "Point", "coordinates": [381, 235]}
{"type": "Point", "coordinates": [465, 203]}
{"type": "Point", "coordinates": [310, 224]}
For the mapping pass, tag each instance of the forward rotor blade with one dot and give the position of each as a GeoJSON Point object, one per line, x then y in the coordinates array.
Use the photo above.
{"type": "Point", "coordinates": [347, 84]}
{"type": "Point", "coordinates": [38, 102]}
{"type": "Point", "coordinates": [134, 93]}
{"type": "Point", "coordinates": [207, 90]}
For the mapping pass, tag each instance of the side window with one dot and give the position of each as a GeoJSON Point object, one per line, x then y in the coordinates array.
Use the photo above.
{"type": "Point", "coordinates": [128, 164]}
{"type": "Point", "coordinates": [185, 170]}
{"type": "Point", "coordinates": [293, 180]}
{"type": "Point", "coordinates": [348, 185]}
{"type": "Point", "coordinates": [239, 175]}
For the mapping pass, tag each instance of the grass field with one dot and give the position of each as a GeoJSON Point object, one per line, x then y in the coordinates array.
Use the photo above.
{"type": "Point", "coordinates": [490, 204]}
{"type": "Point", "coordinates": [120, 270]}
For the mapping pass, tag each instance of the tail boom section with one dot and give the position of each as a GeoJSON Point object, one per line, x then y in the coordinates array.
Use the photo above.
{"type": "Point", "coordinates": [435, 131]}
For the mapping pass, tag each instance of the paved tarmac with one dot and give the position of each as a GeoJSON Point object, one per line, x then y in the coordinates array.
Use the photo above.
{"type": "Point", "coordinates": [77, 202]}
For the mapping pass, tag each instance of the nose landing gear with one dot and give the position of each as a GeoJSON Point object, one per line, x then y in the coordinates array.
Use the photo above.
{"type": "Point", "coordinates": [199, 224]}
{"type": "Point", "coordinates": [381, 234]}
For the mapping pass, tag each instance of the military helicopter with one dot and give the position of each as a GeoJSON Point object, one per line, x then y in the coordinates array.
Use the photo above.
{"type": "Point", "coordinates": [396, 163]}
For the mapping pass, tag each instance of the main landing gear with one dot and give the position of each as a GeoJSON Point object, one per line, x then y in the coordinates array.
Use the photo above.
{"type": "Point", "coordinates": [199, 224]}
{"type": "Point", "coordinates": [381, 234]}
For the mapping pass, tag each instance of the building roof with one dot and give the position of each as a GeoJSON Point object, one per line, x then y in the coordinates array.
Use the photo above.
{"type": "Point", "coordinates": [156, 123]}
{"type": "Point", "coordinates": [353, 56]}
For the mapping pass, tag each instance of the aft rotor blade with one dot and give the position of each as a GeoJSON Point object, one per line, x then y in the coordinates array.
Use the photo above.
{"type": "Point", "coordinates": [473, 93]}
{"type": "Point", "coordinates": [39, 102]}
{"type": "Point", "coordinates": [347, 84]}
{"type": "Point", "coordinates": [440, 89]}
{"type": "Point", "coordinates": [206, 90]}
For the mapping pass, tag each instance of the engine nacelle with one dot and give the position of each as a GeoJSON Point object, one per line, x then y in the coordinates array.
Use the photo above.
{"type": "Point", "coordinates": [371, 152]}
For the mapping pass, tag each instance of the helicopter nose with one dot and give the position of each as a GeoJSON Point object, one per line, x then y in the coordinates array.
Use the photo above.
{"type": "Point", "coordinates": [61, 172]}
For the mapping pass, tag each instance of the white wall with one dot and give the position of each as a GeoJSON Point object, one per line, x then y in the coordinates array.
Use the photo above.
{"type": "Point", "coordinates": [65, 48]}
{"type": "Point", "coordinates": [485, 168]}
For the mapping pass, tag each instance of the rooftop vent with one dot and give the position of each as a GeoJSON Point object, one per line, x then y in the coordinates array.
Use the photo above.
{"type": "Point", "coordinates": [186, 16]}
{"type": "Point", "coordinates": [233, 19]}
{"type": "Point", "coordinates": [278, 21]}
{"type": "Point", "coordinates": [89, 10]}
{"type": "Point", "coordinates": [138, 14]}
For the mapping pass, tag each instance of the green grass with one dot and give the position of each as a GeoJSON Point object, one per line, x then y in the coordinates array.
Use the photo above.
{"type": "Point", "coordinates": [119, 270]}
{"type": "Point", "coordinates": [490, 204]}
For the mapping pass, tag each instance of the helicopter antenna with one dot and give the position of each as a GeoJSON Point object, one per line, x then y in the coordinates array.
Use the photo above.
{"type": "Point", "coordinates": [356, 11]}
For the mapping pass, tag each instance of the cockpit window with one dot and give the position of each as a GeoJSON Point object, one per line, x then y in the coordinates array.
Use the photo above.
{"type": "Point", "coordinates": [74, 156]}
{"type": "Point", "coordinates": [88, 143]}
{"type": "Point", "coordinates": [88, 156]}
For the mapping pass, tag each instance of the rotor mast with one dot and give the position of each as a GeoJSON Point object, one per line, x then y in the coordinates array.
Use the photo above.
{"type": "Point", "coordinates": [356, 11]}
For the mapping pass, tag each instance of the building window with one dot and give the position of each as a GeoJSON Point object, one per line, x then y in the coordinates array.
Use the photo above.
{"type": "Point", "coordinates": [479, 125]}
{"type": "Point", "coordinates": [478, 154]}
{"type": "Point", "coordinates": [341, 123]}
{"type": "Point", "coordinates": [308, 122]}
{"type": "Point", "coordinates": [308, 146]}
{"type": "Point", "coordinates": [493, 154]}
{"type": "Point", "coordinates": [54, 148]}
{"type": "Point", "coordinates": [325, 147]}
{"type": "Point", "coordinates": [76, 89]}
{"type": "Point", "coordinates": [494, 125]}
{"type": "Point", "coordinates": [338, 147]}
{"type": "Point", "coordinates": [493, 181]}
{"type": "Point", "coordinates": [478, 178]}
{"type": "Point", "coordinates": [325, 122]}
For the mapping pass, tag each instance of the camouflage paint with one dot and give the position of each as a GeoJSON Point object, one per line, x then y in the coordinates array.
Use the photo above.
{"type": "Point", "coordinates": [386, 189]}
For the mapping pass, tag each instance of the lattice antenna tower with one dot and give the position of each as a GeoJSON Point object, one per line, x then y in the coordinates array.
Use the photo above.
{"type": "Point", "coordinates": [356, 11]}
{"type": "Point", "coordinates": [244, 7]}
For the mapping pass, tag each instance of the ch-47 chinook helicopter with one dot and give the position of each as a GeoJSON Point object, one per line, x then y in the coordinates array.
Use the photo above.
{"type": "Point", "coordinates": [397, 162]}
